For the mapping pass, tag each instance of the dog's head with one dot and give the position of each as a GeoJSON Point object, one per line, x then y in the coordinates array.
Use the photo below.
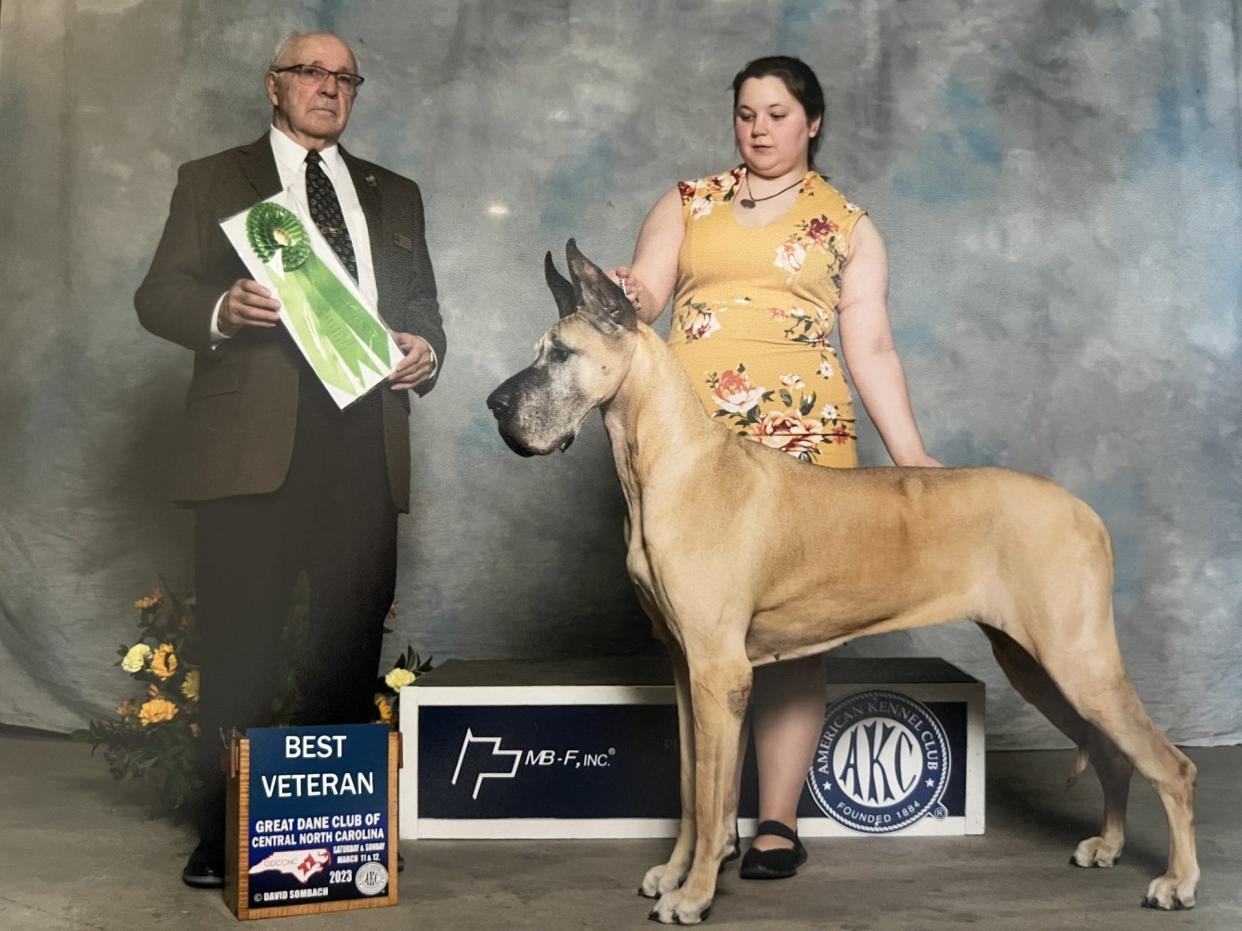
{"type": "Point", "coordinates": [581, 363]}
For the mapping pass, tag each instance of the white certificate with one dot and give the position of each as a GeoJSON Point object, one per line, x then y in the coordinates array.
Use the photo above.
{"type": "Point", "coordinates": [331, 321]}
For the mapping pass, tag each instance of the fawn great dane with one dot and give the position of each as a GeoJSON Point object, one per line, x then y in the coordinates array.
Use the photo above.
{"type": "Point", "coordinates": [736, 568]}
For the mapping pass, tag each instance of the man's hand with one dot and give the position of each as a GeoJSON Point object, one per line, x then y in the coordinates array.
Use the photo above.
{"type": "Point", "coordinates": [247, 303]}
{"type": "Point", "coordinates": [417, 365]}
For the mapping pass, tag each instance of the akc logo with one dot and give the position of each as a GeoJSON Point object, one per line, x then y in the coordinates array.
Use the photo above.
{"type": "Point", "coordinates": [882, 762]}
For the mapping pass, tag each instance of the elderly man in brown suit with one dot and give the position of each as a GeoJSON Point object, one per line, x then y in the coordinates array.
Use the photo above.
{"type": "Point", "coordinates": [282, 481]}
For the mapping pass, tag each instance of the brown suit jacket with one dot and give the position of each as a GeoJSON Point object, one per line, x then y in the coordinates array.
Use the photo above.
{"type": "Point", "coordinates": [241, 407]}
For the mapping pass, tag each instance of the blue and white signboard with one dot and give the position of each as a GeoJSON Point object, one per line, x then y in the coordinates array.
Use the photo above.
{"type": "Point", "coordinates": [506, 751]}
{"type": "Point", "coordinates": [318, 825]}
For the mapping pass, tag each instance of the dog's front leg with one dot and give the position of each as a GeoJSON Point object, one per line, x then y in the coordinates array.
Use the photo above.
{"type": "Point", "coordinates": [719, 692]}
{"type": "Point", "coordinates": [668, 876]}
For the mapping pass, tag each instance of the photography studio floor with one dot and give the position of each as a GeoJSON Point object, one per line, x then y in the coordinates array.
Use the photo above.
{"type": "Point", "coordinates": [81, 851]}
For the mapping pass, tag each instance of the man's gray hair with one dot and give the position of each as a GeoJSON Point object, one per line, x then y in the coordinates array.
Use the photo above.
{"type": "Point", "coordinates": [293, 38]}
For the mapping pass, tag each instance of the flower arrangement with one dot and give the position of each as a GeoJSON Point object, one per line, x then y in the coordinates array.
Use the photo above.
{"type": "Point", "coordinates": [408, 667]}
{"type": "Point", "coordinates": [155, 735]}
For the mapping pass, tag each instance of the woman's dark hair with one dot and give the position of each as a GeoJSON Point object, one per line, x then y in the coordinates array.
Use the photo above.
{"type": "Point", "coordinates": [799, 80]}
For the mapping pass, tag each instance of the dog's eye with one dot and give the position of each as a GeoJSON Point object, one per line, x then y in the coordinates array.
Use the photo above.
{"type": "Point", "coordinates": [558, 354]}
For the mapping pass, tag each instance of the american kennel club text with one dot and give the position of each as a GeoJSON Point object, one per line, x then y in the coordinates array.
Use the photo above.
{"type": "Point", "coordinates": [882, 763]}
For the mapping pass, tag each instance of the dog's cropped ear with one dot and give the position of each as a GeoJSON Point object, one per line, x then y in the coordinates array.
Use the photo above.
{"type": "Point", "coordinates": [562, 290]}
{"type": "Point", "coordinates": [598, 295]}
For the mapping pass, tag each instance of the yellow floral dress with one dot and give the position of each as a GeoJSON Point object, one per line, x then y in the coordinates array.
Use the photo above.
{"type": "Point", "coordinates": [752, 313]}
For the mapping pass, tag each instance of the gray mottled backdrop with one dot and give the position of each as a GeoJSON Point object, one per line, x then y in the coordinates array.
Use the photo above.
{"type": "Point", "coordinates": [1058, 182]}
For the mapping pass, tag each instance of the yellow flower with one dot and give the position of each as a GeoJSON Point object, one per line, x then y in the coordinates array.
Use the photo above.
{"type": "Point", "coordinates": [136, 658]}
{"type": "Point", "coordinates": [398, 678]}
{"type": "Point", "coordinates": [189, 688]}
{"type": "Point", "coordinates": [156, 710]}
{"type": "Point", "coordinates": [384, 704]}
{"type": "Point", "coordinates": [164, 662]}
{"type": "Point", "coordinates": [152, 600]}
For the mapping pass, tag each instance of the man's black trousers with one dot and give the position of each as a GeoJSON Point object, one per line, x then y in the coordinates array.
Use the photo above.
{"type": "Point", "coordinates": [334, 519]}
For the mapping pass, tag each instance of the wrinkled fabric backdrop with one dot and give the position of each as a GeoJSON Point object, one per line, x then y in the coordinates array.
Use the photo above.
{"type": "Point", "coordinates": [1058, 183]}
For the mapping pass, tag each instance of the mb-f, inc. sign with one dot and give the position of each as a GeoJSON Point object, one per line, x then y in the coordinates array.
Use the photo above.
{"type": "Point", "coordinates": [313, 817]}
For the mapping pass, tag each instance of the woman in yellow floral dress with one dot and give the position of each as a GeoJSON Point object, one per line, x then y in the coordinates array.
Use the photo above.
{"type": "Point", "coordinates": [762, 261]}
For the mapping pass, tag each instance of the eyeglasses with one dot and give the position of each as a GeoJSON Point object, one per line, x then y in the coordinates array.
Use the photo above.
{"type": "Point", "coordinates": [346, 82]}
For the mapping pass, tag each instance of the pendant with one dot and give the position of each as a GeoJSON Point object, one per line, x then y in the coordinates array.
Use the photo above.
{"type": "Point", "coordinates": [747, 203]}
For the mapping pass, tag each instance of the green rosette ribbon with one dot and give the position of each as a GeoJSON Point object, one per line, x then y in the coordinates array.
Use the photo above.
{"type": "Point", "coordinates": [333, 326]}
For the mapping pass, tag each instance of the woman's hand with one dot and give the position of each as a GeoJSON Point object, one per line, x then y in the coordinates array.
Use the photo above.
{"type": "Point", "coordinates": [655, 258]}
{"type": "Point", "coordinates": [623, 275]}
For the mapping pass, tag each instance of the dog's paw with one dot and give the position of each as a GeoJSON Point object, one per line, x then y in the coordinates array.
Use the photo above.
{"type": "Point", "coordinates": [661, 879]}
{"type": "Point", "coordinates": [1168, 892]}
{"type": "Point", "coordinates": [1094, 851]}
{"type": "Point", "coordinates": [675, 908]}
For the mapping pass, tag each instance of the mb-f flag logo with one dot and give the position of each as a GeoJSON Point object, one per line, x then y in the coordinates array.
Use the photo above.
{"type": "Point", "coordinates": [493, 763]}
{"type": "Point", "coordinates": [881, 764]}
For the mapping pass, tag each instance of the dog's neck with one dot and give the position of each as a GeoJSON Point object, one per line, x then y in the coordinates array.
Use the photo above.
{"type": "Point", "coordinates": [659, 433]}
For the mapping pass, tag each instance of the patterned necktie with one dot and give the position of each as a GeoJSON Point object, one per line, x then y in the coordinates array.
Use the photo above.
{"type": "Point", "coordinates": [325, 210]}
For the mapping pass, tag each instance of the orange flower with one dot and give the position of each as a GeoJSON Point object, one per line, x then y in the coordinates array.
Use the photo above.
{"type": "Point", "coordinates": [156, 710]}
{"type": "Point", "coordinates": [164, 662]}
{"type": "Point", "coordinates": [384, 704]}
{"type": "Point", "coordinates": [152, 600]}
{"type": "Point", "coordinates": [734, 392]}
{"type": "Point", "coordinates": [787, 433]}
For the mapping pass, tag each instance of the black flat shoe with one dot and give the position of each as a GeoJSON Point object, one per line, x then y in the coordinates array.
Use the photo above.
{"type": "Point", "coordinates": [205, 868]}
{"type": "Point", "coordinates": [780, 863]}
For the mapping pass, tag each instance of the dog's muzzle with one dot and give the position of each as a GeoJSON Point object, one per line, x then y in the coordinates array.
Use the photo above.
{"type": "Point", "coordinates": [500, 403]}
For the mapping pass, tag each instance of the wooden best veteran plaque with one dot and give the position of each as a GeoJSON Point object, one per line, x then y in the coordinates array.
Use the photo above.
{"type": "Point", "coordinates": [312, 820]}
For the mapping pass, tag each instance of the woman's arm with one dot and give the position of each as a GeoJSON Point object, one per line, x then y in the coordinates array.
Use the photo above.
{"type": "Point", "coordinates": [867, 341]}
{"type": "Point", "coordinates": [650, 278]}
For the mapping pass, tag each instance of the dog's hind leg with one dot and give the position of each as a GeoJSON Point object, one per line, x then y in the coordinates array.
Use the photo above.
{"type": "Point", "coordinates": [1034, 684]}
{"type": "Point", "coordinates": [720, 682]}
{"type": "Point", "coordinates": [1085, 663]}
{"type": "Point", "coordinates": [667, 876]}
